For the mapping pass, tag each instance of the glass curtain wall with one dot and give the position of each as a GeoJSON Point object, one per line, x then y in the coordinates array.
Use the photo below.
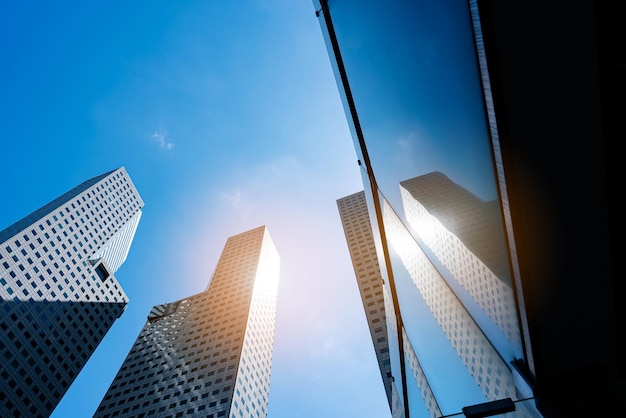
{"type": "Point", "coordinates": [409, 73]}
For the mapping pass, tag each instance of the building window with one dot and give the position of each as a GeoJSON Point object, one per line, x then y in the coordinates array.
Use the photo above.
{"type": "Point", "coordinates": [102, 272]}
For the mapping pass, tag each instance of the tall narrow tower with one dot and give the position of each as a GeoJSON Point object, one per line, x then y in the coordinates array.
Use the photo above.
{"type": "Point", "coordinates": [360, 239]}
{"type": "Point", "coordinates": [208, 355]}
{"type": "Point", "coordinates": [58, 292]}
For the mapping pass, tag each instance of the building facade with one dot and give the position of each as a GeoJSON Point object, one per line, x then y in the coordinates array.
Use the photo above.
{"type": "Point", "coordinates": [208, 355]}
{"type": "Point", "coordinates": [479, 126]}
{"type": "Point", "coordinates": [58, 292]}
{"type": "Point", "coordinates": [362, 248]}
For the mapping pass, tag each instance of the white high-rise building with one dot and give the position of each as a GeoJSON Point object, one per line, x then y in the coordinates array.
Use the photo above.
{"type": "Point", "coordinates": [377, 302]}
{"type": "Point", "coordinates": [360, 238]}
{"type": "Point", "coordinates": [58, 292]}
{"type": "Point", "coordinates": [429, 201]}
{"type": "Point", "coordinates": [208, 355]}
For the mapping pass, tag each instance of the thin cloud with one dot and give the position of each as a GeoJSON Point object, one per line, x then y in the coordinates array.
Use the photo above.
{"type": "Point", "coordinates": [405, 144]}
{"type": "Point", "coordinates": [160, 137]}
{"type": "Point", "coordinates": [234, 198]}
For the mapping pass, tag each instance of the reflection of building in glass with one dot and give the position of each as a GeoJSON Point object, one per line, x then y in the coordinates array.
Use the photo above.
{"type": "Point", "coordinates": [516, 297]}
{"type": "Point", "coordinates": [360, 239]}
{"type": "Point", "coordinates": [210, 354]}
{"type": "Point", "coordinates": [481, 361]}
{"type": "Point", "coordinates": [466, 236]}
{"type": "Point", "coordinates": [475, 223]}
{"type": "Point", "coordinates": [58, 292]}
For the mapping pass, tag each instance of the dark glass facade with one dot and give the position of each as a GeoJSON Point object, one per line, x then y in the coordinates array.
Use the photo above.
{"type": "Point", "coordinates": [462, 123]}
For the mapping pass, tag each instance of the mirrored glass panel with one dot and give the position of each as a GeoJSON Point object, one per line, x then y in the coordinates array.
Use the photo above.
{"type": "Point", "coordinates": [415, 83]}
{"type": "Point", "coordinates": [409, 76]}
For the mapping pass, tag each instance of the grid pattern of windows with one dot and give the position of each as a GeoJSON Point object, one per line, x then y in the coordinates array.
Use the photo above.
{"type": "Point", "coordinates": [358, 232]}
{"type": "Point", "coordinates": [56, 304]}
{"type": "Point", "coordinates": [480, 358]}
{"type": "Point", "coordinates": [422, 382]}
{"type": "Point", "coordinates": [208, 355]}
{"type": "Point", "coordinates": [466, 236]}
{"type": "Point", "coordinates": [251, 395]}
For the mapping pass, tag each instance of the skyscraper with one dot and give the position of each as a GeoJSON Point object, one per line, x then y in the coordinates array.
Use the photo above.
{"type": "Point", "coordinates": [58, 292]}
{"type": "Point", "coordinates": [361, 246]}
{"type": "Point", "coordinates": [492, 176]}
{"type": "Point", "coordinates": [462, 294]}
{"type": "Point", "coordinates": [208, 355]}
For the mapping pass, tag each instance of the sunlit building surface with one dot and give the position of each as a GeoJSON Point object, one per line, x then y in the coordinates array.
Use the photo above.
{"type": "Point", "coordinates": [208, 355]}
{"type": "Point", "coordinates": [497, 254]}
{"type": "Point", "coordinates": [358, 232]}
{"type": "Point", "coordinates": [58, 292]}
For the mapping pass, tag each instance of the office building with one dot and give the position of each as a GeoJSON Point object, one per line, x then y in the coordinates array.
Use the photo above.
{"type": "Point", "coordinates": [488, 138]}
{"type": "Point", "coordinates": [58, 292]}
{"type": "Point", "coordinates": [356, 225]}
{"type": "Point", "coordinates": [208, 355]}
{"type": "Point", "coordinates": [453, 335]}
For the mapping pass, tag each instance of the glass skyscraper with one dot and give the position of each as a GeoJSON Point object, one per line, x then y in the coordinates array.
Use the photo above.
{"type": "Point", "coordinates": [208, 355]}
{"type": "Point", "coordinates": [58, 292]}
{"type": "Point", "coordinates": [449, 341]}
{"type": "Point", "coordinates": [487, 136]}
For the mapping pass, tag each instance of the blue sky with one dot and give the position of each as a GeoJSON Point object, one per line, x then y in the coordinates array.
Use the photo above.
{"type": "Point", "coordinates": [227, 117]}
